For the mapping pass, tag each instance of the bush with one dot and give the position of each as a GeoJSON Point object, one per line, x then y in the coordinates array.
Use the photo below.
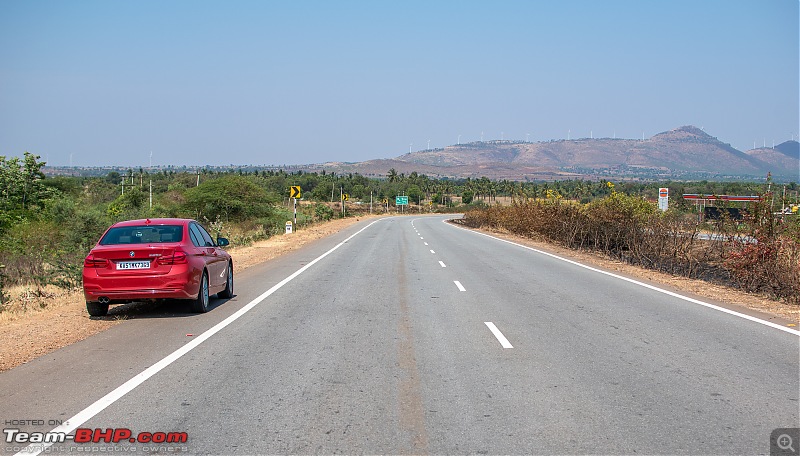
{"type": "Point", "coordinates": [632, 230]}
{"type": "Point", "coordinates": [323, 211]}
{"type": "Point", "coordinates": [768, 259]}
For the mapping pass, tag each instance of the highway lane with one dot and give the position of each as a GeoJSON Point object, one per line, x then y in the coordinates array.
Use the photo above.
{"type": "Point", "coordinates": [612, 367]}
{"type": "Point", "coordinates": [375, 348]}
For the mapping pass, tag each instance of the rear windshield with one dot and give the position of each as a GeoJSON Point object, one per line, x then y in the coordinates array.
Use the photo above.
{"type": "Point", "coordinates": [143, 235]}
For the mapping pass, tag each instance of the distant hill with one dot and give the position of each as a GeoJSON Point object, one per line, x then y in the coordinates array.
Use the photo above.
{"type": "Point", "coordinates": [790, 149]}
{"type": "Point", "coordinates": [784, 157]}
{"type": "Point", "coordinates": [685, 152]}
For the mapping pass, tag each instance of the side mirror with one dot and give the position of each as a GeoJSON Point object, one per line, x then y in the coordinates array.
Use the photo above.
{"type": "Point", "coordinates": [222, 242]}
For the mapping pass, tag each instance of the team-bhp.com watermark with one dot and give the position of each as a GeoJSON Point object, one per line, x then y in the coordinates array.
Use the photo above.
{"type": "Point", "coordinates": [95, 440]}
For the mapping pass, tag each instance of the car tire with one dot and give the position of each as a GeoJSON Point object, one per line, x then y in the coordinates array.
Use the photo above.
{"type": "Point", "coordinates": [227, 293]}
{"type": "Point", "coordinates": [200, 304]}
{"type": "Point", "coordinates": [96, 309]}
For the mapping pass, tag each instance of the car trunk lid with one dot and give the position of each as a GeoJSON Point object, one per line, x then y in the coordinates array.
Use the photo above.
{"type": "Point", "coordinates": [134, 260]}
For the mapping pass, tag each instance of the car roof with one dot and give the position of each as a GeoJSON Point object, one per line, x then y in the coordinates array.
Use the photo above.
{"type": "Point", "coordinates": [154, 221]}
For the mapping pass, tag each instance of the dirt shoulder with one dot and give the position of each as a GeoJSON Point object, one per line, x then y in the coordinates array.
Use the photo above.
{"type": "Point", "coordinates": [728, 297]}
{"type": "Point", "coordinates": [35, 326]}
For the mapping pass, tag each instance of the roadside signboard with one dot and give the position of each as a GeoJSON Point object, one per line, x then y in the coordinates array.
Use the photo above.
{"type": "Point", "coordinates": [401, 201]}
{"type": "Point", "coordinates": [663, 198]}
{"type": "Point", "coordinates": [294, 193]}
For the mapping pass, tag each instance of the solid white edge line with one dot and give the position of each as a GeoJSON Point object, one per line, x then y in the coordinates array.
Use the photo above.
{"type": "Point", "coordinates": [99, 405]}
{"type": "Point", "coordinates": [458, 284]}
{"type": "Point", "coordinates": [654, 288]}
{"type": "Point", "coordinates": [441, 263]}
{"type": "Point", "coordinates": [500, 337]}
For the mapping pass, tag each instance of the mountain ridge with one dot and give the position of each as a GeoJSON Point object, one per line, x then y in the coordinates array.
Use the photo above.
{"type": "Point", "coordinates": [685, 151]}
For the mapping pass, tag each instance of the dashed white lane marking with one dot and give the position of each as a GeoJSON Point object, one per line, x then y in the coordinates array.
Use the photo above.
{"type": "Point", "coordinates": [442, 264]}
{"type": "Point", "coordinates": [426, 243]}
{"type": "Point", "coordinates": [432, 251]}
{"type": "Point", "coordinates": [460, 287]}
{"type": "Point", "coordinates": [500, 337]}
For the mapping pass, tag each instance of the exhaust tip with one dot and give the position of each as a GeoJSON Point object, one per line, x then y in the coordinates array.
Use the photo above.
{"type": "Point", "coordinates": [103, 300]}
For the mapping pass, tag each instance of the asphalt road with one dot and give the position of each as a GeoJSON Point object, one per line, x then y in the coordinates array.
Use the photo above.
{"type": "Point", "coordinates": [415, 336]}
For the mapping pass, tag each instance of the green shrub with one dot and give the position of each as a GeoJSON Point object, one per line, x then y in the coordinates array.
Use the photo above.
{"type": "Point", "coordinates": [323, 211]}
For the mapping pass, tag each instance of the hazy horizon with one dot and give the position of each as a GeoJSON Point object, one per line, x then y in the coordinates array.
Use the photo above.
{"type": "Point", "coordinates": [250, 82]}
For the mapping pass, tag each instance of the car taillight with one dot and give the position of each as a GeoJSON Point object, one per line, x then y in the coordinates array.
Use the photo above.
{"type": "Point", "coordinates": [177, 257]}
{"type": "Point", "coordinates": [92, 262]}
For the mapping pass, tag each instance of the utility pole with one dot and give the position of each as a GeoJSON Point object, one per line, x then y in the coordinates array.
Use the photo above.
{"type": "Point", "coordinates": [783, 202]}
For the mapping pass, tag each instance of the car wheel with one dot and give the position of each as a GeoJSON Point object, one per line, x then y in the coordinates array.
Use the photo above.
{"type": "Point", "coordinates": [227, 293]}
{"type": "Point", "coordinates": [96, 309]}
{"type": "Point", "coordinates": [200, 304]}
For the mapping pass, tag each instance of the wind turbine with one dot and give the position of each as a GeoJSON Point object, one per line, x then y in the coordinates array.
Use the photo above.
{"type": "Point", "coordinates": [151, 159]}
{"type": "Point", "coordinates": [429, 144]}
{"type": "Point", "coordinates": [459, 140]}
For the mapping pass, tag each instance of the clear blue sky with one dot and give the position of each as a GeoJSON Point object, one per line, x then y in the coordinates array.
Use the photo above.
{"type": "Point", "coordinates": [268, 82]}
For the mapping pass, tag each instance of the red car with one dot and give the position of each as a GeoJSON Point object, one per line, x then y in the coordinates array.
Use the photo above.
{"type": "Point", "coordinates": [151, 259]}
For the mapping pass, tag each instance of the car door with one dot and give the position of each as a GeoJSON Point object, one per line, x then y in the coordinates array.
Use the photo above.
{"type": "Point", "coordinates": [216, 263]}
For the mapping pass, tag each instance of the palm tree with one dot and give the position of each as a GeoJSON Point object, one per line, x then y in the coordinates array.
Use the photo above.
{"type": "Point", "coordinates": [392, 175]}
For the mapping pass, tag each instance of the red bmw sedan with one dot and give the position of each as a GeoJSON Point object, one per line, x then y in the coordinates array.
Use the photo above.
{"type": "Point", "coordinates": [151, 259]}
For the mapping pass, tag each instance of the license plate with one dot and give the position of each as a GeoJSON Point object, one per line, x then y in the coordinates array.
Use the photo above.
{"type": "Point", "coordinates": [133, 265]}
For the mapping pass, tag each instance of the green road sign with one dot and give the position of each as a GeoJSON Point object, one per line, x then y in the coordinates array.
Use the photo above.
{"type": "Point", "coordinates": [401, 201]}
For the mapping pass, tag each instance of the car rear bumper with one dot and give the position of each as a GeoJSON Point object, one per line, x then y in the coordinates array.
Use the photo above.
{"type": "Point", "coordinates": [171, 286]}
{"type": "Point", "coordinates": [120, 296]}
